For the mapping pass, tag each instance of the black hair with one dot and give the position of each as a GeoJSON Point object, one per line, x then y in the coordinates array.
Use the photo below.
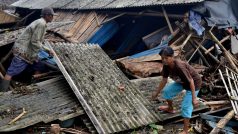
{"type": "Point", "coordinates": [166, 51]}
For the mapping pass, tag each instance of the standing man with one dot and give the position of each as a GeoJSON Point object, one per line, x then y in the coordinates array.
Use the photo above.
{"type": "Point", "coordinates": [27, 47]}
{"type": "Point", "coordinates": [185, 77]}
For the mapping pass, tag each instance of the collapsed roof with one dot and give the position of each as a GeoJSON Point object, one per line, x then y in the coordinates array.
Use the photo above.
{"type": "Point", "coordinates": [96, 4]}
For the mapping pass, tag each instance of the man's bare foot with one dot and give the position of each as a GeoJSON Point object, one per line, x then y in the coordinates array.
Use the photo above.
{"type": "Point", "coordinates": [166, 109]}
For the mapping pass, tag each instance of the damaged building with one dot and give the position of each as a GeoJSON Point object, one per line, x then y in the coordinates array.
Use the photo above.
{"type": "Point", "coordinates": [107, 65]}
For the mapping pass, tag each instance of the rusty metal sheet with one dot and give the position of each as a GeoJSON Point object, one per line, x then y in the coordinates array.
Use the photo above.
{"type": "Point", "coordinates": [112, 103]}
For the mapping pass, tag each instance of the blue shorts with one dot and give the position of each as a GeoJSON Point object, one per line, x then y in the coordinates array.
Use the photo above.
{"type": "Point", "coordinates": [173, 89]}
{"type": "Point", "coordinates": [18, 65]}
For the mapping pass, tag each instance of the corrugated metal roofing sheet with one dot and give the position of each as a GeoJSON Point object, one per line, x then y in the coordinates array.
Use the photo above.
{"type": "Point", "coordinates": [44, 102]}
{"type": "Point", "coordinates": [112, 103]}
{"type": "Point", "coordinates": [96, 4]}
{"type": "Point", "coordinates": [7, 2]}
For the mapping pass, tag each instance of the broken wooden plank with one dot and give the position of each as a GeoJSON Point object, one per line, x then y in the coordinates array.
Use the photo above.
{"type": "Point", "coordinates": [221, 124]}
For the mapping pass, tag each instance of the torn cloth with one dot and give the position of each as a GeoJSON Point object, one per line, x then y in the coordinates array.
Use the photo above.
{"type": "Point", "coordinates": [219, 13]}
{"type": "Point", "coordinates": [194, 22]}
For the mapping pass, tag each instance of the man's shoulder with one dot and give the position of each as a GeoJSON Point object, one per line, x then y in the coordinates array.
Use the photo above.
{"type": "Point", "coordinates": [181, 64]}
{"type": "Point", "coordinates": [40, 21]}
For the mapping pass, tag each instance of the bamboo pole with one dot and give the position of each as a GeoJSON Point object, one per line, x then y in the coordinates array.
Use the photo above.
{"type": "Point", "coordinates": [217, 102]}
{"type": "Point", "coordinates": [177, 41]}
{"type": "Point", "coordinates": [222, 123]}
{"type": "Point", "coordinates": [167, 20]}
{"type": "Point", "coordinates": [227, 90]}
{"type": "Point", "coordinates": [200, 53]}
{"type": "Point", "coordinates": [209, 54]}
{"type": "Point", "coordinates": [223, 40]}
{"type": "Point", "coordinates": [228, 56]}
{"type": "Point", "coordinates": [184, 42]}
{"type": "Point", "coordinates": [200, 44]}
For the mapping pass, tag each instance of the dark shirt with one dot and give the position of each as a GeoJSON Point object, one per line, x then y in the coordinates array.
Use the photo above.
{"type": "Point", "coordinates": [183, 73]}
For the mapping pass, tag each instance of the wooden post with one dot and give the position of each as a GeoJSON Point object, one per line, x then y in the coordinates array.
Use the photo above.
{"type": "Point", "coordinates": [222, 123]}
{"type": "Point", "coordinates": [167, 20]}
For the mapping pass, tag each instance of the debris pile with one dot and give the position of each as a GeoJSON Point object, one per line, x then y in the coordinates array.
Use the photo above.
{"type": "Point", "coordinates": [109, 96]}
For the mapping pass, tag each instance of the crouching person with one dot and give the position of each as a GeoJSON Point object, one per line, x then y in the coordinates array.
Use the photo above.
{"type": "Point", "coordinates": [185, 77]}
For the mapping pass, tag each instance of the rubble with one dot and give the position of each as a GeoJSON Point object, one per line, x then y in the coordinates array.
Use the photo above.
{"type": "Point", "coordinates": [96, 91]}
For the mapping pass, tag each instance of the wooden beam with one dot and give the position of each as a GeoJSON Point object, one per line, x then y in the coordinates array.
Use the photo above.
{"type": "Point", "coordinates": [156, 14]}
{"type": "Point", "coordinates": [117, 16]}
{"type": "Point", "coordinates": [222, 123]}
{"type": "Point", "coordinates": [167, 20]}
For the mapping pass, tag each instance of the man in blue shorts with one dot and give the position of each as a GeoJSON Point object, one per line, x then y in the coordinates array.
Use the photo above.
{"type": "Point", "coordinates": [185, 77]}
{"type": "Point", "coordinates": [27, 47]}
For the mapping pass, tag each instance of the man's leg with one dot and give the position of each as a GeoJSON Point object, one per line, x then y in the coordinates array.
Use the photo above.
{"type": "Point", "coordinates": [169, 92]}
{"type": "Point", "coordinates": [16, 67]}
{"type": "Point", "coordinates": [38, 67]}
{"type": "Point", "coordinates": [187, 109]}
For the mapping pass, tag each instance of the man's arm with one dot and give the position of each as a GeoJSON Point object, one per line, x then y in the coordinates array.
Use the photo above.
{"type": "Point", "coordinates": [161, 86]}
{"type": "Point", "coordinates": [37, 37]}
{"type": "Point", "coordinates": [194, 97]}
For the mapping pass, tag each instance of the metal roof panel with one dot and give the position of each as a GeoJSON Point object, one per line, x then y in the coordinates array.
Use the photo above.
{"type": "Point", "coordinates": [112, 103]}
{"type": "Point", "coordinates": [97, 4]}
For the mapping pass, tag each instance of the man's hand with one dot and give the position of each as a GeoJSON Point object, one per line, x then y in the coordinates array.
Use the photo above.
{"type": "Point", "coordinates": [51, 53]}
{"type": "Point", "coordinates": [195, 103]}
{"type": "Point", "coordinates": [154, 96]}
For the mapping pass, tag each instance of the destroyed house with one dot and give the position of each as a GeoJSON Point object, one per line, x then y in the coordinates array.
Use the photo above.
{"type": "Point", "coordinates": [87, 84]}
{"type": "Point", "coordinates": [121, 28]}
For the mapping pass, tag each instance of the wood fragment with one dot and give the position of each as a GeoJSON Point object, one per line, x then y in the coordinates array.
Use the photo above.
{"type": "Point", "coordinates": [18, 117]}
{"type": "Point", "coordinates": [71, 130]}
{"type": "Point", "coordinates": [217, 102]}
{"type": "Point", "coordinates": [222, 123]}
